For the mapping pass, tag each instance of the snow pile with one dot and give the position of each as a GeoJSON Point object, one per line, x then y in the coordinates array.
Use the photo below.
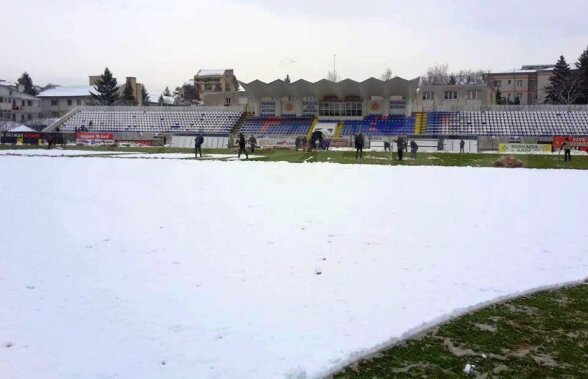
{"type": "Point", "coordinates": [182, 268]}
{"type": "Point", "coordinates": [57, 152]}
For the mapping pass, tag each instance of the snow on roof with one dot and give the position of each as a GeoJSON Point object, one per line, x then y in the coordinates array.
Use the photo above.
{"type": "Point", "coordinates": [213, 72]}
{"type": "Point", "coordinates": [68, 92]}
{"type": "Point", "coordinates": [22, 129]}
{"type": "Point", "coordinates": [7, 83]}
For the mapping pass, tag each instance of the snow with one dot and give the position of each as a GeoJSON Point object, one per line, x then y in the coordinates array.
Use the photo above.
{"type": "Point", "coordinates": [189, 156]}
{"type": "Point", "coordinates": [213, 72]}
{"type": "Point", "coordinates": [22, 129]}
{"type": "Point", "coordinates": [136, 268]}
{"type": "Point", "coordinates": [57, 152]}
{"type": "Point", "coordinates": [83, 91]}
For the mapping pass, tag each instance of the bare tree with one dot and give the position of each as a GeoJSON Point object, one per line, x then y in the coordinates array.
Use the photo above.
{"type": "Point", "coordinates": [437, 74]}
{"type": "Point", "coordinates": [568, 91]}
{"type": "Point", "coordinates": [387, 75]}
{"type": "Point", "coordinates": [333, 76]}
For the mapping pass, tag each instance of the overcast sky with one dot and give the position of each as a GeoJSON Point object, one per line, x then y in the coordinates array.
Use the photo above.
{"type": "Point", "coordinates": [166, 42]}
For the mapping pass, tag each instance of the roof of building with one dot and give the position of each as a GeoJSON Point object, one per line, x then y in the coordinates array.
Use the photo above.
{"type": "Point", "coordinates": [22, 129]}
{"type": "Point", "coordinates": [301, 88]}
{"type": "Point", "coordinates": [521, 71]}
{"type": "Point", "coordinates": [7, 83]}
{"type": "Point", "coordinates": [211, 72]}
{"type": "Point", "coordinates": [82, 91]}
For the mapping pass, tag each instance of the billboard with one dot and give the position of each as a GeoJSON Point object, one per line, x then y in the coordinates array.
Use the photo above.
{"type": "Point", "coordinates": [524, 148]}
{"type": "Point", "coordinates": [95, 136]}
{"type": "Point", "coordinates": [578, 143]}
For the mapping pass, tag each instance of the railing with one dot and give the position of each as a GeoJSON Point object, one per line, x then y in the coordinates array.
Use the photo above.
{"type": "Point", "coordinates": [508, 108]}
{"type": "Point", "coordinates": [61, 121]}
{"type": "Point", "coordinates": [166, 108]}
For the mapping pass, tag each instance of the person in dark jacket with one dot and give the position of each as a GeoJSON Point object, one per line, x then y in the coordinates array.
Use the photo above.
{"type": "Point", "coordinates": [461, 146]}
{"type": "Point", "coordinates": [198, 141]}
{"type": "Point", "coordinates": [359, 142]}
{"type": "Point", "coordinates": [413, 149]}
{"type": "Point", "coordinates": [298, 143]}
{"type": "Point", "coordinates": [242, 148]}
{"type": "Point", "coordinates": [567, 148]}
{"type": "Point", "coordinates": [400, 146]}
{"type": "Point", "coordinates": [252, 143]}
{"type": "Point", "coordinates": [387, 147]}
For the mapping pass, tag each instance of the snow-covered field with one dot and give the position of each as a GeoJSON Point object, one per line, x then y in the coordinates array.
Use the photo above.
{"type": "Point", "coordinates": [57, 152]}
{"type": "Point", "coordinates": [114, 268]}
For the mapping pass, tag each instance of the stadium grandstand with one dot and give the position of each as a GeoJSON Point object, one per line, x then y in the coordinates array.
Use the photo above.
{"type": "Point", "coordinates": [277, 113]}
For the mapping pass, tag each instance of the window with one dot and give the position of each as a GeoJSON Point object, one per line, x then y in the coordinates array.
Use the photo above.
{"type": "Point", "coordinates": [30, 116]}
{"type": "Point", "coordinates": [450, 95]}
{"type": "Point", "coordinates": [54, 103]}
{"type": "Point", "coordinates": [340, 109]}
{"type": "Point", "coordinates": [30, 103]}
{"type": "Point", "coordinates": [54, 114]}
{"type": "Point", "coordinates": [428, 95]}
{"type": "Point", "coordinates": [70, 102]}
{"type": "Point", "coordinates": [519, 83]}
{"type": "Point", "coordinates": [509, 81]}
{"type": "Point", "coordinates": [78, 102]}
{"type": "Point", "coordinates": [498, 83]}
{"type": "Point", "coordinates": [227, 101]}
{"type": "Point", "coordinates": [23, 103]}
{"type": "Point", "coordinates": [473, 95]}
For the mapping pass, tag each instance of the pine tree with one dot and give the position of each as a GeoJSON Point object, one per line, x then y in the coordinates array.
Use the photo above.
{"type": "Point", "coordinates": [499, 98]}
{"type": "Point", "coordinates": [452, 80]}
{"type": "Point", "coordinates": [106, 88]}
{"type": "Point", "coordinates": [582, 66]}
{"type": "Point", "coordinates": [166, 92]}
{"type": "Point", "coordinates": [145, 96]}
{"type": "Point", "coordinates": [287, 79]}
{"type": "Point", "coordinates": [26, 81]}
{"type": "Point", "coordinates": [564, 88]}
{"type": "Point", "coordinates": [160, 101]}
{"type": "Point", "coordinates": [127, 97]}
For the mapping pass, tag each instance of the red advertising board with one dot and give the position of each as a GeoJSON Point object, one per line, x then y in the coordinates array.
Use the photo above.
{"type": "Point", "coordinates": [94, 136]}
{"type": "Point", "coordinates": [578, 143]}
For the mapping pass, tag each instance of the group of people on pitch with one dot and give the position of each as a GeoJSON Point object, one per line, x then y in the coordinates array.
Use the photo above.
{"type": "Point", "coordinates": [401, 144]}
{"type": "Point", "coordinates": [199, 140]}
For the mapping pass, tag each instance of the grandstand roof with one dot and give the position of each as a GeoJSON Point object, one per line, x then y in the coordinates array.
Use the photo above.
{"type": "Point", "coordinates": [301, 88]}
{"type": "Point", "coordinates": [68, 92]}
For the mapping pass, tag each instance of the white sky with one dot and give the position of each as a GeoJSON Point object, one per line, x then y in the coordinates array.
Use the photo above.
{"type": "Point", "coordinates": [165, 42]}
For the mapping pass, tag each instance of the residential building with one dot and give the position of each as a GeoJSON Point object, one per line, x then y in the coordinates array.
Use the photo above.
{"type": "Point", "coordinates": [215, 81]}
{"type": "Point", "coordinates": [15, 105]}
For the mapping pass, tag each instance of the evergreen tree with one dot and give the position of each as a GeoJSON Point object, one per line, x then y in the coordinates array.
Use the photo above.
{"type": "Point", "coordinates": [26, 81]}
{"type": "Point", "coordinates": [499, 99]}
{"type": "Point", "coordinates": [127, 97]}
{"type": "Point", "coordinates": [287, 80]}
{"type": "Point", "coordinates": [166, 92]}
{"type": "Point", "coordinates": [145, 96]}
{"type": "Point", "coordinates": [564, 88]}
{"type": "Point", "coordinates": [582, 66]}
{"type": "Point", "coordinates": [106, 88]}
{"type": "Point", "coordinates": [161, 101]}
{"type": "Point", "coordinates": [452, 80]}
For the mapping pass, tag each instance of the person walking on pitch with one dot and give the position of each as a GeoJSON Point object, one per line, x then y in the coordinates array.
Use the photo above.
{"type": "Point", "coordinates": [242, 145]}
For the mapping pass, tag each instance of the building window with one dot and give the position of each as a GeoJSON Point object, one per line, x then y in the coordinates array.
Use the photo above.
{"type": "Point", "coordinates": [473, 95]}
{"type": "Point", "coordinates": [30, 116]}
{"type": "Point", "coordinates": [54, 114]}
{"type": "Point", "coordinates": [498, 83]}
{"type": "Point", "coordinates": [30, 103]}
{"type": "Point", "coordinates": [79, 102]}
{"type": "Point", "coordinates": [428, 95]}
{"type": "Point", "coordinates": [519, 83]}
{"type": "Point", "coordinates": [227, 101]}
{"type": "Point", "coordinates": [70, 102]}
{"type": "Point", "coordinates": [54, 103]}
{"type": "Point", "coordinates": [450, 95]}
{"type": "Point", "coordinates": [509, 81]}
